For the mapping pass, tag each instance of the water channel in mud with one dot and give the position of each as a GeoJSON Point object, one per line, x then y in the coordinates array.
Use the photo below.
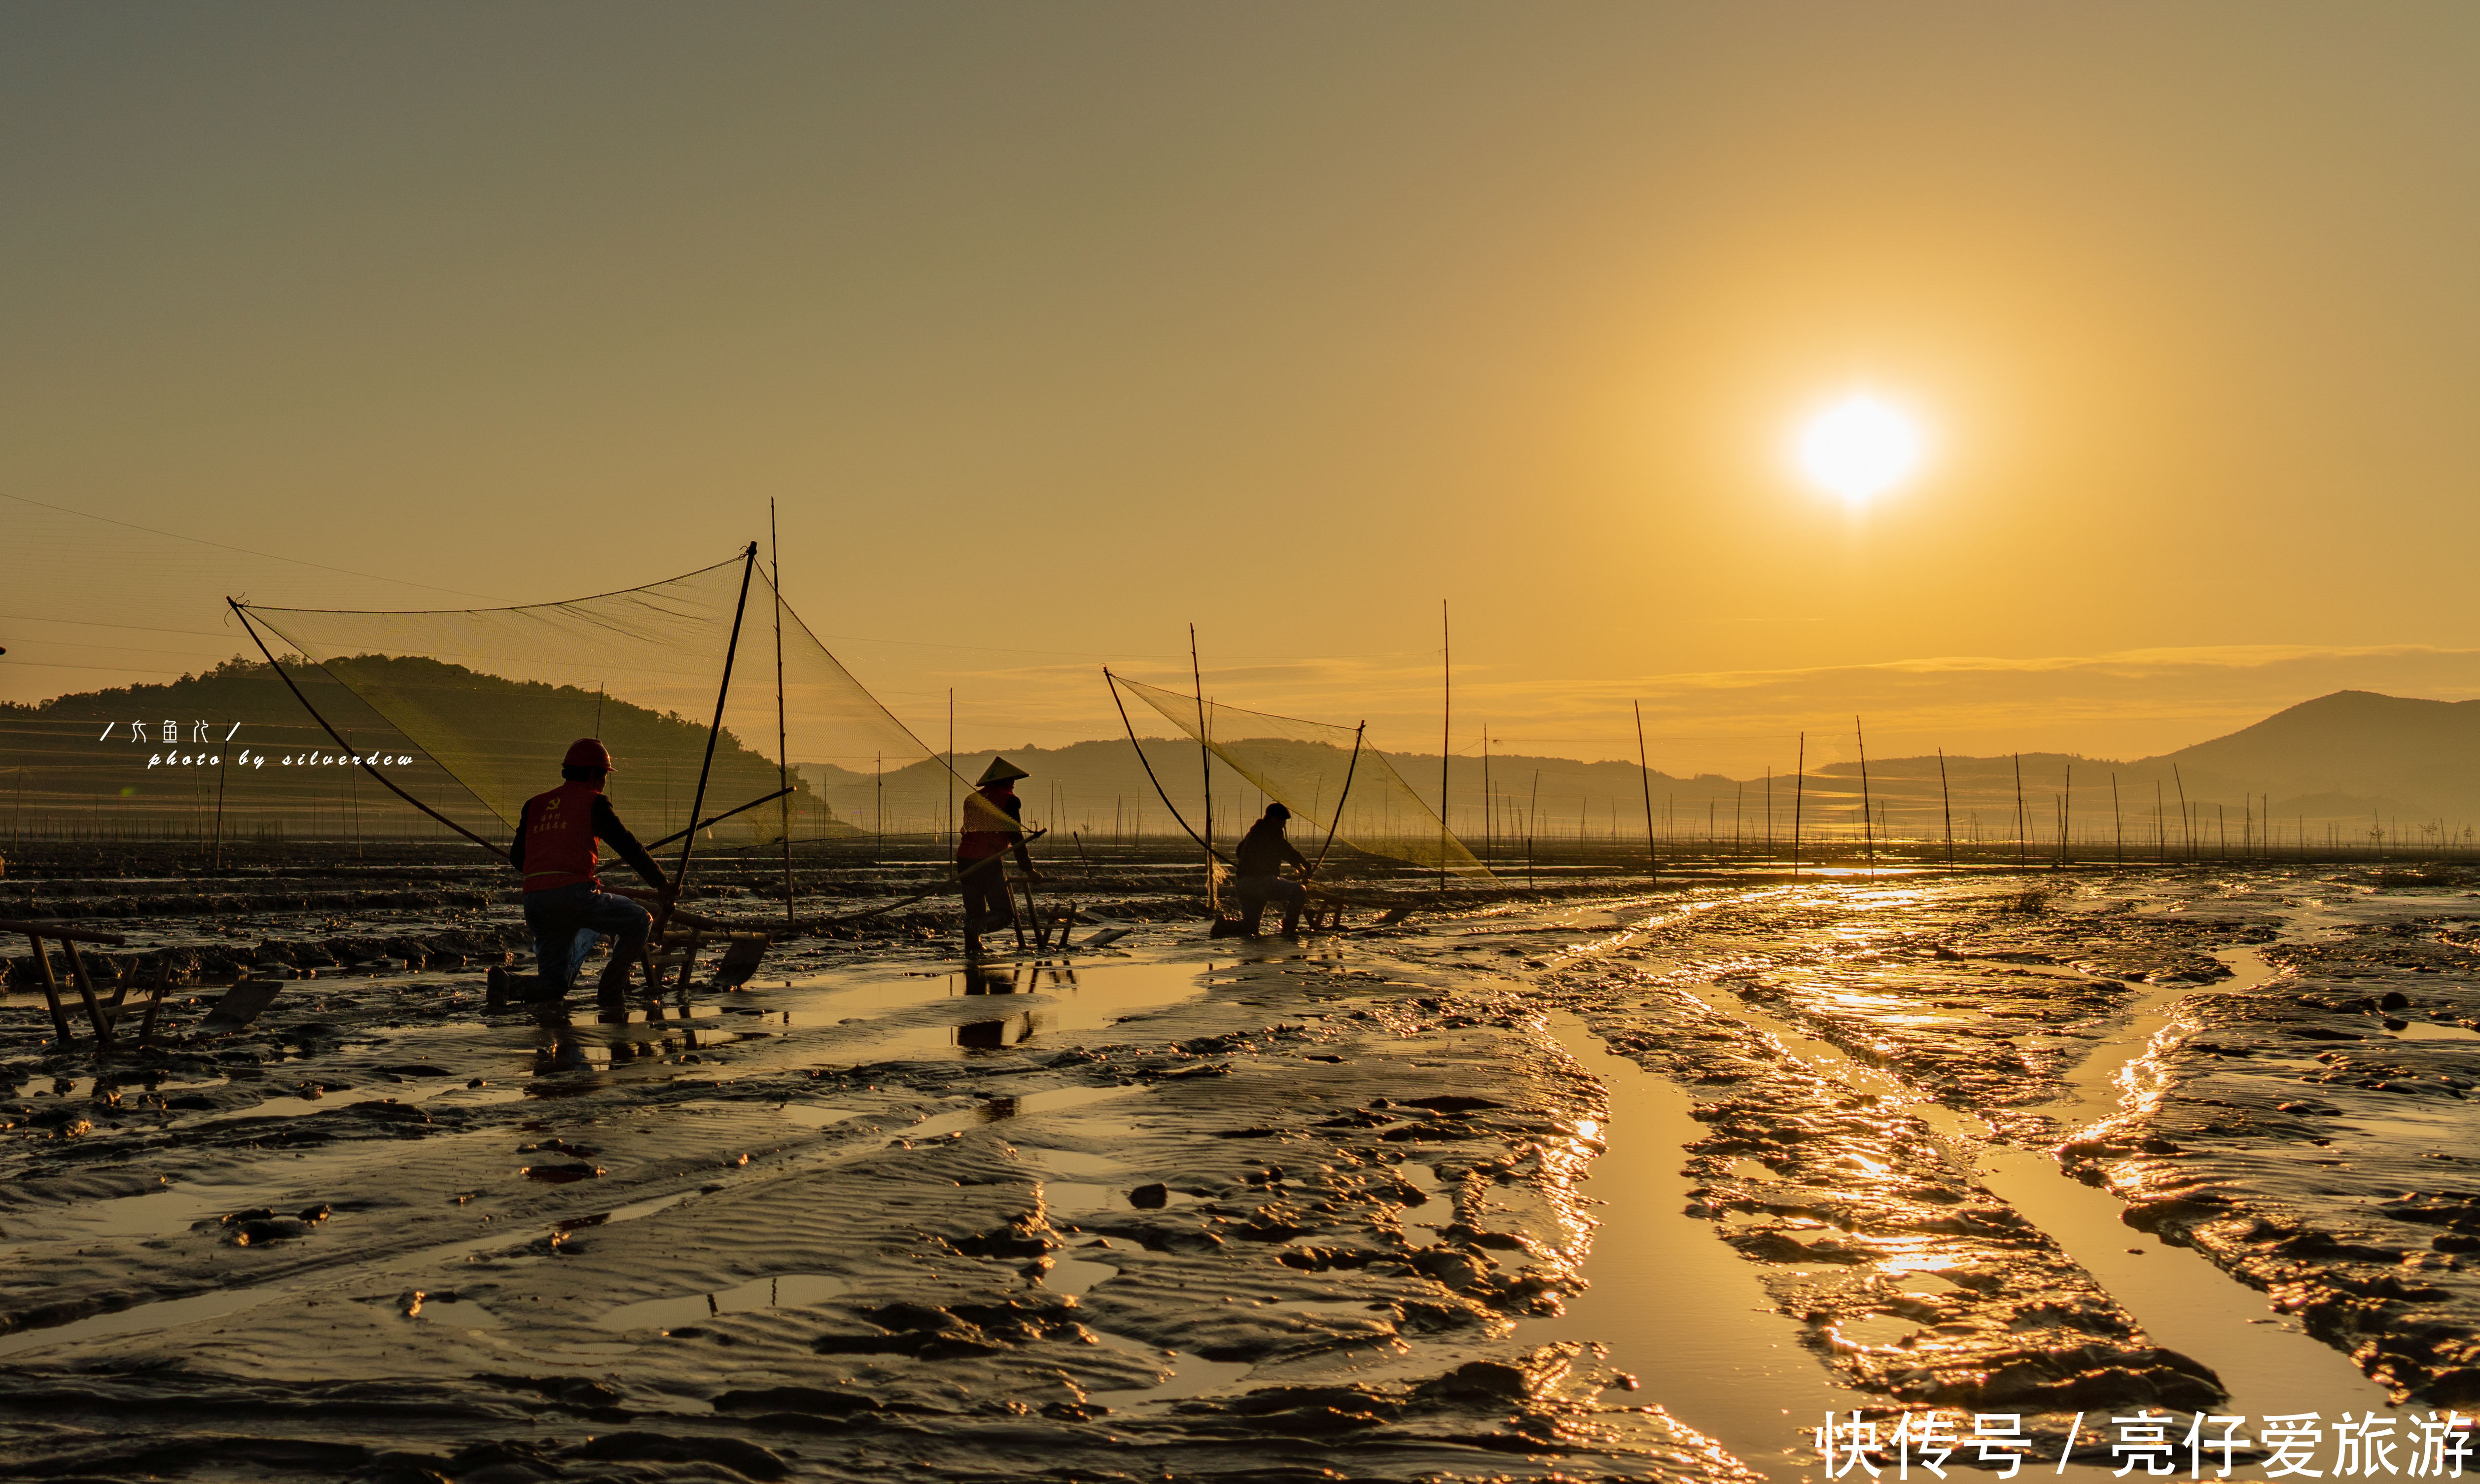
{"type": "Point", "coordinates": [1687, 1317]}
{"type": "Point", "coordinates": [1677, 1310]}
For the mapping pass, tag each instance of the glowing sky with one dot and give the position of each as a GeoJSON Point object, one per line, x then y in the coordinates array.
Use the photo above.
{"type": "Point", "coordinates": [1056, 327]}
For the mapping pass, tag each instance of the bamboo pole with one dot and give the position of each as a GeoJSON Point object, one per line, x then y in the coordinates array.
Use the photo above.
{"type": "Point", "coordinates": [712, 820]}
{"type": "Point", "coordinates": [1205, 766]}
{"type": "Point", "coordinates": [783, 749]}
{"type": "Point", "coordinates": [713, 734]}
{"type": "Point", "coordinates": [1644, 771]}
{"type": "Point", "coordinates": [2187, 826]}
{"type": "Point", "coordinates": [2066, 813]}
{"type": "Point", "coordinates": [1868, 827]}
{"type": "Point", "coordinates": [1946, 800]}
{"type": "Point", "coordinates": [1799, 797]}
{"type": "Point", "coordinates": [2022, 825]}
{"type": "Point", "coordinates": [1446, 731]}
{"type": "Point", "coordinates": [2117, 829]}
{"type": "Point", "coordinates": [1349, 769]}
{"type": "Point", "coordinates": [223, 771]}
{"type": "Point", "coordinates": [1530, 811]}
{"type": "Point", "coordinates": [1159, 791]}
{"type": "Point", "coordinates": [386, 781]}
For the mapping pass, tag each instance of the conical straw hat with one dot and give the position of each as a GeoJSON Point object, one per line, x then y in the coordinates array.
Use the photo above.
{"type": "Point", "coordinates": [1000, 771]}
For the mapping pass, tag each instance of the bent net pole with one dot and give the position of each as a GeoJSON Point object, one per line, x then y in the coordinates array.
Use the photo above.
{"type": "Point", "coordinates": [714, 734]}
{"type": "Point", "coordinates": [385, 781]}
{"type": "Point", "coordinates": [1115, 682]}
{"type": "Point", "coordinates": [495, 696]}
{"type": "Point", "coordinates": [1303, 764]}
{"type": "Point", "coordinates": [1338, 822]}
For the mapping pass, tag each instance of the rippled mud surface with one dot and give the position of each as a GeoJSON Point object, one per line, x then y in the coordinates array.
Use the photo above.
{"type": "Point", "coordinates": [1623, 1186]}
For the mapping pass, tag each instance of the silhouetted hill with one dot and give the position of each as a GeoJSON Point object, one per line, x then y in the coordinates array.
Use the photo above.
{"type": "Point", "coordinates": [82, 761]}
{"type": "Point", "coordinates": [2353, 752]}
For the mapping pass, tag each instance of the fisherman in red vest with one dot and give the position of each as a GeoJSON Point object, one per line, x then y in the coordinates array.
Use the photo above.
{"type": "Point", "coordinates": [565, 906]}
{"type": "Point", "coordinates": [993, 816]}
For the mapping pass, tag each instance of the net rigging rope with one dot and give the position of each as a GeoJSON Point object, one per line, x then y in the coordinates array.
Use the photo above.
{"type": "Point", "coordinates": [1325, 775]}
{"type": "Point", "coordinates": [495, 696]}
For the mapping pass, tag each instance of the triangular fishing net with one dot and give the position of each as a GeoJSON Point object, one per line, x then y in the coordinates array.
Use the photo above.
{"type": "Point", "coordinates": [1313, 769]}
{"type": "Point", "coordinates": [496, 695]}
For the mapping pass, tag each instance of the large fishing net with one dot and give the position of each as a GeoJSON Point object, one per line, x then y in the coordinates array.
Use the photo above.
{"type": "Point", "coordinates": [1328, 775]}
{"type": "Point", "coordinates": [494, 696]}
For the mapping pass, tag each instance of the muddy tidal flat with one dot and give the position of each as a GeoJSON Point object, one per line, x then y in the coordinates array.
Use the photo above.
{"type": "Point", "coordinates": [1613, 1183]}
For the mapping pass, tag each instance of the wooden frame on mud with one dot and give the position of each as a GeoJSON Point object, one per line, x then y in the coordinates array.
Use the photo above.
{"type": "Point", "coordinates": [102, 1014]}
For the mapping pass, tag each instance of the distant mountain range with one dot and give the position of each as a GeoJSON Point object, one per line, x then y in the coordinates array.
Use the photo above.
{"type": "Point", "coordinates": [2342, 763]}
{"type": "Point", "coordinates": [2350, 761]}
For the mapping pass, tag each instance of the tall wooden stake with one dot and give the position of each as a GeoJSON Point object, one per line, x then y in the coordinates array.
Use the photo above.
{"type": "Point", "coordinates": [1946, 799]}
{"type": "Point", "coordinates": [2066, 813]}
{"type": "Point", "coordinates": [2022, 825]}
{"type": "Point", "coordinates": [2187, 824]}
{"type": "Point", "coordinates": [1531, 812]}
{"type": "Point", "coordinates": [1868, 827]}
{"type": "Point", "coordinates": [1489, 831]}
{"type": "Point", "coordinates": [2117, 829]}
{"type": "Point", "coordinates": [1799, 797]}
{"type": "Point", "coordinates": [1349, 769]}
{"type": "Point", "coordinates": [713, 732]}
{"type": "Point", "coordinates": [1205, 767]}
{"type": "Point", "coordinates": [223, 770]}
{"type": "Point", "coordinates": [1446, 731]}
{"type": "Point", "coordinates": [1645, 770]}
{"type": "Point", "coordinates": [783, 749]}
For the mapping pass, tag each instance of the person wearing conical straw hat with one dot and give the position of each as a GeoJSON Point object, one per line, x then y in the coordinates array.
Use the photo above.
{"type": "Point", "coordinates": [993, 825]}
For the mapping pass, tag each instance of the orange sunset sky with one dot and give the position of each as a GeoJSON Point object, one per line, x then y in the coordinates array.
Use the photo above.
{"type": "Point", "coordinates": [1055, 327]}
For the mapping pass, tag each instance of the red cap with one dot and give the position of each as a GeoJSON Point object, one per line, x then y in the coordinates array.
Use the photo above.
{"type": "Point", "coordinates": [588, 753]}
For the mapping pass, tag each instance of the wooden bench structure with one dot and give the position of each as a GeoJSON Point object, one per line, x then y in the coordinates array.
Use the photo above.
{"type": "Point", "coordinates": [1061, 916]}
{"type": "Point", "coordinates": [103, 1015]}
{"type": "Point", "coordinates": [685, 933]}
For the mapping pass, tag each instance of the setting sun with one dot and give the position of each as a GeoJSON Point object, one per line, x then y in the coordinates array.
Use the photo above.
{"type": "Point", "coordinates": [1860, 447]}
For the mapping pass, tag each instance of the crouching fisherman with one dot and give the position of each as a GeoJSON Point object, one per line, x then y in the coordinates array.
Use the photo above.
{"type": "Point", "coordinates": [1260, 862]}
{"type": "Point", "coordinates": [565, 906]}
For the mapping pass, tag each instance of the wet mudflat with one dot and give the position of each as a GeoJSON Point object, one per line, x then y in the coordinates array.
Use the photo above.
{"type": "Point", "coordinates": [1617, 1187]}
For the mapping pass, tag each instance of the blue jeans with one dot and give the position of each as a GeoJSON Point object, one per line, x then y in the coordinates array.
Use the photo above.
{"type": "Point", "coordinates": [568, 921]}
